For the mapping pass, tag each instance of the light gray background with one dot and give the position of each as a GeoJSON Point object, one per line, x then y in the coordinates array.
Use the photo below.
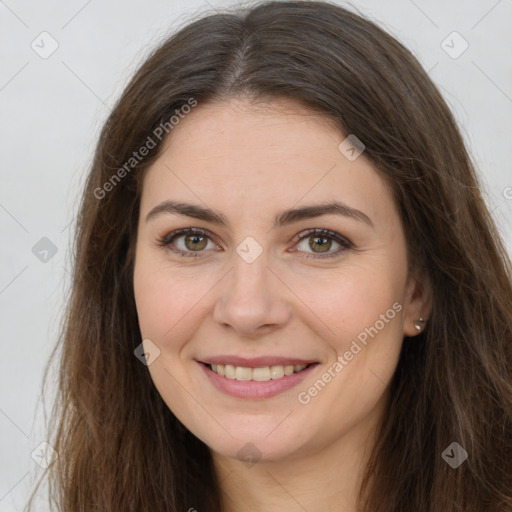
{"type": "Point", "coordinates": [52, 110]}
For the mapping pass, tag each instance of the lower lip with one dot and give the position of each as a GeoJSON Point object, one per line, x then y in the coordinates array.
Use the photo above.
{"type": "Point", "coordinates": [252, 389]}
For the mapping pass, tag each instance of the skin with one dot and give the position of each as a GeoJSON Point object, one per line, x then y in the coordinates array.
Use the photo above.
{"type": "Point", "coordinates": [250, 162]}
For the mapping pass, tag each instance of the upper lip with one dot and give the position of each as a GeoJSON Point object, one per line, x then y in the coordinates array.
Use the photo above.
{"type": "Point", "coordinates": [256, 362]}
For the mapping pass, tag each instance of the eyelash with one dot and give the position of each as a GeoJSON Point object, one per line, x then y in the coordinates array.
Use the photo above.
{"type": "Point", "coordinates": [326, 233]}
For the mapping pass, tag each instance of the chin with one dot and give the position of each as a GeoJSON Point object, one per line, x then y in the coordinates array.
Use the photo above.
{"type": "Point", "coordinates": [252, 451]}
{"type": "Point", "coordinates": [252, 439]}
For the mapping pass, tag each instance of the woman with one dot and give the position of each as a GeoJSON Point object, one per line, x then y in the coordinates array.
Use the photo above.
{"type": "Point", "coordinates": [289, 293]}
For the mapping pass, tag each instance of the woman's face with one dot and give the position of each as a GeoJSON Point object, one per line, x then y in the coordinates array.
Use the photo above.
{"type": "Point", "coordinates": [254, 285]}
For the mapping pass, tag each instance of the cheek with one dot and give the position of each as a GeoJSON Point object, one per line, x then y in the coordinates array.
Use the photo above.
{"type": "Point", "coordinates": [363, 312]}
{"type": "Point", "coordinates": [168, 301]}
{"type": "Point", "coordinates": [168, 307]}
{"type": "Point", "coordinates": [352, 300]}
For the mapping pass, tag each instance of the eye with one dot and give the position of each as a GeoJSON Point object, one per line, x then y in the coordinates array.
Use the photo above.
{"type": "Point", "coordinates": [320, 241]}
{"type": "Point", "coordinates": [188, 242]}
{"type": "Point", "coordinates": [191, 242]}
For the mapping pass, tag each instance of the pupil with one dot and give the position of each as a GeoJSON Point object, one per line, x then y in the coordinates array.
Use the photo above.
{"type": "Point", "coordinates": [195, 240]}
{"type": "Point", "coordinates": [324, 247]}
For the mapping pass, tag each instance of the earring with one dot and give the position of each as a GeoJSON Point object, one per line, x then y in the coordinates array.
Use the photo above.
{"type": "Point", "coordinates": [417, 325]}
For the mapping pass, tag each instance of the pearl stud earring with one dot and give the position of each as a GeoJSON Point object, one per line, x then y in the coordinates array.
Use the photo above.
{"type": "Point", "coordinates": [418, 323]}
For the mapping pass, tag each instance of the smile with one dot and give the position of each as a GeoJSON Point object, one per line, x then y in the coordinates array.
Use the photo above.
{"type": "Point", "coordinates": [255, 379]}
{"type": "Point", "coordinates": [262, 374]}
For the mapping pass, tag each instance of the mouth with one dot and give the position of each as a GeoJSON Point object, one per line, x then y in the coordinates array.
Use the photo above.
{"type": "Point", "coordinates": [253, 379]}
{"type": "Point", "coordinates": [258, 374]}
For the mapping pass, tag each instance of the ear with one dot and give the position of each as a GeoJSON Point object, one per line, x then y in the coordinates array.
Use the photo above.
{"type": "Point", "coordinates": [417, 304]}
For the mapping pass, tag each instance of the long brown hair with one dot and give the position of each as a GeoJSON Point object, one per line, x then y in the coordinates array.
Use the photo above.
{"type": "Point", "coordinates": [120, 447]}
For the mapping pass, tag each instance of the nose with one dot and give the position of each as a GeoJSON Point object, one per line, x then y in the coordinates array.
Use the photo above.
{"type": "Point", "coordinates": [252, 299]}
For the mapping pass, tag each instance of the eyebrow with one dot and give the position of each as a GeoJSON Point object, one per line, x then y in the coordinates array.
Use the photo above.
{"type": "Point", "coordinates": [284, 218]}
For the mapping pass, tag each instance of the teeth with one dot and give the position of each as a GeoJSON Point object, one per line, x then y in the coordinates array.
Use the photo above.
{"type": "Point", "coordinates": [242, 373]}
{"type": "Point", "coordinates": [288, 370]}
{"type": "Point", "coordinates": [276, 372]}
{"type": "Point", "coordinates": [262, 374]}
{"type": "Point", "coordinates": [229, 371]}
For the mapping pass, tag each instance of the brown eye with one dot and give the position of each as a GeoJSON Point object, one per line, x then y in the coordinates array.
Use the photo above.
{"type": "Point", "coordinates": [320, 242]}
{"type": "Point", "coordinates": [195, 242]}
{"type": "Point", "coordinates": [187, 242]}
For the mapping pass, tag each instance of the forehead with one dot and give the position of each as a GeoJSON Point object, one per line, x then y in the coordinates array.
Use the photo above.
{"type": "Point", "coordinates": [241, 125]}
{"type": "Point", "coordinates": [239, 157]}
